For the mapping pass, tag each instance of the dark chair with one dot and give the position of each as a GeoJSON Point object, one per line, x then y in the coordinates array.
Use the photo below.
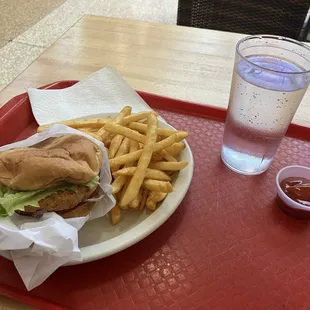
{"type": "Point", "coordinates": [278, 17]}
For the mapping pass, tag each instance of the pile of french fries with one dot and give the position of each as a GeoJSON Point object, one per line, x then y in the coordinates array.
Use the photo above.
{"type": "Point", "coordinates": [142, 157]}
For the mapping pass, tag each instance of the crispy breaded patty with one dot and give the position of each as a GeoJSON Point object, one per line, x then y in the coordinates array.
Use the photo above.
{"type": "Point", "coordinates": [61, 201]}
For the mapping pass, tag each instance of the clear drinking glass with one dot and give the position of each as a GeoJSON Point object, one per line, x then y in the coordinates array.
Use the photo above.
{"type": "Point", "coordinates": [271, 75]}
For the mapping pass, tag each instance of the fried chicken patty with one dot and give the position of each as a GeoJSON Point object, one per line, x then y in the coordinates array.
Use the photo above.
{"type": "Point", "coordinates": [60, 201]}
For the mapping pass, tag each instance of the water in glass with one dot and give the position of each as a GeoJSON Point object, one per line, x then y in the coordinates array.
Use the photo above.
{"type": "Point", "coordinates": [261, 106]}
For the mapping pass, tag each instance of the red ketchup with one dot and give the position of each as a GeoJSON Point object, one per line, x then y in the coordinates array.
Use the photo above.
{"type": "Point", "coordinates": [298, 189]}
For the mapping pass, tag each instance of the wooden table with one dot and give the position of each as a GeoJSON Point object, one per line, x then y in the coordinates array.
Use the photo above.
{"type": "Point", "coordinates": [185, 63]}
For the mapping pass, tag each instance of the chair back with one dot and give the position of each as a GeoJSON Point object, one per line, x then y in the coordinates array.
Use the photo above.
{"type": "Point", "coordinates": [278, 17]}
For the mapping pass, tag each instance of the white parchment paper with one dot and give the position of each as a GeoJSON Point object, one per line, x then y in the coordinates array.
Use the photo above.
{"type": "Point", "coordinates": [39, 246]}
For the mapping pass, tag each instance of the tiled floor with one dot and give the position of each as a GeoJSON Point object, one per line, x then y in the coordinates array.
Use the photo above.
{"type": "Point", "coordinates": [14, 58]}
{"type": "Point", "coordinates": [18, 15]}
{"type": "Point", "coordinates": [33, 25]}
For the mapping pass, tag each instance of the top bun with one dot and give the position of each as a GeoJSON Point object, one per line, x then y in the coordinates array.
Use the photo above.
{"type": "Point", "coordinates": [70, 158]}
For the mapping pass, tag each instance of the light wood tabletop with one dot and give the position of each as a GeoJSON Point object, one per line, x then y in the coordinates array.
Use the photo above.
{"type": "Point", "coordinates": [181, 62]}
{"type": "Point", "coordinates": [186, 63]}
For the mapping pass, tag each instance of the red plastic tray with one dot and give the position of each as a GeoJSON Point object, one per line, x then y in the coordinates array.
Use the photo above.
{"type": "Point", "coordinates": [228, 245]}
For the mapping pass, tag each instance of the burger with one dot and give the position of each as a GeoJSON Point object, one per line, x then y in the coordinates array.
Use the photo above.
{"type": "Point", "coordinates": [59, 175]}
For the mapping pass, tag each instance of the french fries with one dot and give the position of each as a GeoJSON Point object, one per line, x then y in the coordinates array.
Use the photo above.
{"type": "Point", "coordinates": [118, 184]}
{"type": "Point", "coordinates": [142, 129]}
{"type": "Point", "coordinates": [126, 132]}
{"type": "Point", "coordinates": [120, 180]}
{"type": "Point", "coordinates": [124, 147]}
{"type": "Point", "coordinates": [146, 155]}
{"type": "Point", "coordinates": [125, 159]}
{"type": "Point", "coordinates": [158, 147]}
{"type": "Point", "coordinates": [154, 198]}
{"type": "Point", "coordinates": [167, 156]}
{"type": "Point", "coordinates": [115, 214]}
{"type": "Point", "coordinates": [93, 134]}
{"type": "Point", "coordinates": [142, 157]}
{"type": "Point", "coordinates": [81, 123]}
{"type": "Point", "coordinates": [175, 149]}
{"type": "Point", "coordinates": [136, 117]}
{"type": "Point", "coordinates": [134, 146]}
{"type": "Point", "coordinates": [118, 119]}
{"type": "Point", "coordinates": [150, 173]}
{"type": "Point", "coordinates": [114, 145]}
{"type": "Point", "coordinates": [122, 194]}
{"type": "Point", "coordinates": [157, 186]}
{"type": "Point", "coordinates": [136, 202]}
{"type": "Point", "coordinates": [169, 166]}
{"type": "Point", "coordinates": [145, 194]}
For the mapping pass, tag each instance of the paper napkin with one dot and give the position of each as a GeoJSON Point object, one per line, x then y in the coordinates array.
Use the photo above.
{"type": "Point", "coordinates": [102, 92]}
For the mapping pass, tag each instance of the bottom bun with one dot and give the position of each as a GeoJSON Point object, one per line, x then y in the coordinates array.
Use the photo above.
{"type": "Point", "coordinates": [81, 210]}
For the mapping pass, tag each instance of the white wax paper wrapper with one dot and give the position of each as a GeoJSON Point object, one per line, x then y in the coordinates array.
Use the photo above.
{"type": "Point", "coordinates": [102, 92]}
{"type": "Point", "coordinates": [39, 246]}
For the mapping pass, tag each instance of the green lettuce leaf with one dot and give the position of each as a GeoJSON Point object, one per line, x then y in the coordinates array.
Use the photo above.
{"type": "Point", "coordinates": [11, 200]}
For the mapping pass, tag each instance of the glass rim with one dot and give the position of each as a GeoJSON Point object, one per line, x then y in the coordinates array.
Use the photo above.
{"type": "Point", "coordinates": [260, 36]}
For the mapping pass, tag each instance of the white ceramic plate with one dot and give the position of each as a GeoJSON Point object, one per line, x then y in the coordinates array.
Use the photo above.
{"type": "Point", "coordinates": [99, 238]}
